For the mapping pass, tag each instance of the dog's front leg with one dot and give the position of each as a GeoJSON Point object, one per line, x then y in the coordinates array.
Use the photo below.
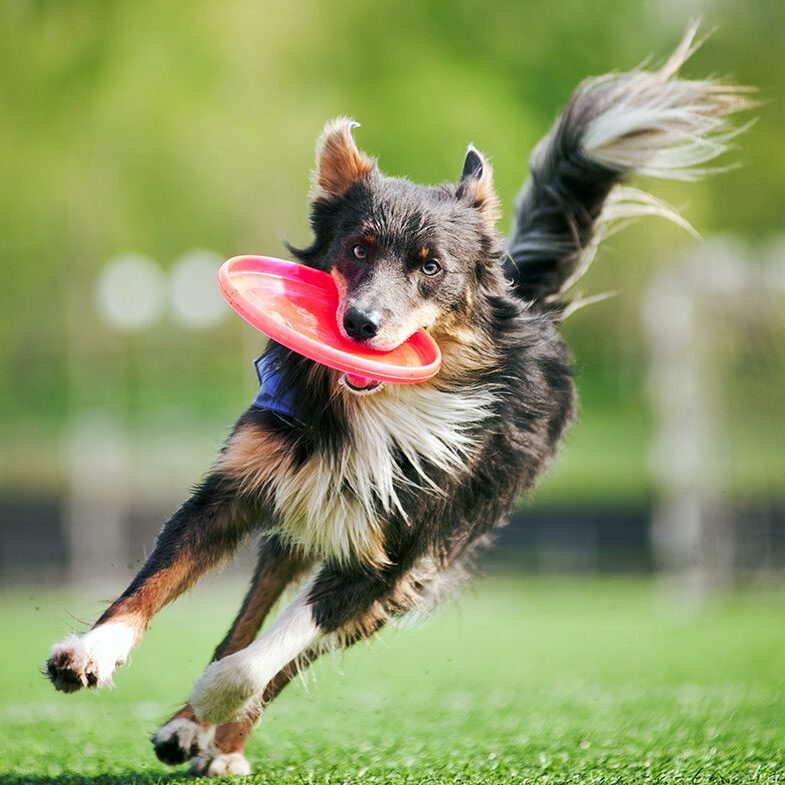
{"type": "Point", "coordinates": [182, 737]}
{"type": "Point", "coordinates": [229, 689]}
{"type": "Point", "coordinates": [201, 533]}
{"type": "Point", "coordinates": [331, 601]}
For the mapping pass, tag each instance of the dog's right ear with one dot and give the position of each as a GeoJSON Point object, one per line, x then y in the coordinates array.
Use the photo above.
{"type": "Point", "coordinates": [339, 163]}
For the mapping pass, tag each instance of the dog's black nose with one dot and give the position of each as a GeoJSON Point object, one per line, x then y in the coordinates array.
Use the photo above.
{"type": "Point", "coordinates": [360, 325]}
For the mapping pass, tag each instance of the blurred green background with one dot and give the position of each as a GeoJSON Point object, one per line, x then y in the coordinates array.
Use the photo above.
{"type": "Point", "coordinates": [157, 128]}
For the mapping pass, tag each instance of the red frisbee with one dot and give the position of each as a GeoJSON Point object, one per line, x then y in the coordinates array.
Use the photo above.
{"type": "Point", "coordinates": [296, 305]}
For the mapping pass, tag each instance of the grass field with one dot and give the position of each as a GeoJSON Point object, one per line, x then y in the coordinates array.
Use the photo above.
{"type": "Point", "coordinates": [522, 681]}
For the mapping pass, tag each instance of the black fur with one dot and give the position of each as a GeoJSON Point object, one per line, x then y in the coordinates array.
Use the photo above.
{"type": "Point", "coordinates": [530, 382]}
{"type": "Point", "coordinates": [557, 210]}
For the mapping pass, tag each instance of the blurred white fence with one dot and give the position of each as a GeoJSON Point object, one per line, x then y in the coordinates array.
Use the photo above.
{"type": "Point", "coordinates": [715, 329]}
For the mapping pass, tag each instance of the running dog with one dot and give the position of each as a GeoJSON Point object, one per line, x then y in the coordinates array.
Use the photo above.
{"type": "Point", "coordinates": [375, 498]}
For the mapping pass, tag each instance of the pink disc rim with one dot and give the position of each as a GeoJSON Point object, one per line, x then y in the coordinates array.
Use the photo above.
{"type": "Point", "coordinates": [331, 356]}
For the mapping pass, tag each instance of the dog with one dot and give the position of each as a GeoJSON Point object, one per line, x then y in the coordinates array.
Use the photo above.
{"type": "Point", "coordinates": [375, 498]}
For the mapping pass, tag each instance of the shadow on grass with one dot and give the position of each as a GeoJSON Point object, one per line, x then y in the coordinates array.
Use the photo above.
{"type": "Point", "coordinates": [121, 778]}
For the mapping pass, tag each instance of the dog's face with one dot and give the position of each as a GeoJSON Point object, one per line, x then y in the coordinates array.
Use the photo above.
{"type": "Point", "coordinates": [403, 256]}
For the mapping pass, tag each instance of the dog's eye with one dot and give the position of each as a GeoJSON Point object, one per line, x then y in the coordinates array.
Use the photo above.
{"type": "Point", "coordinates": [359, 251]}
{"type": "Point", "coordinates": [431, 267]}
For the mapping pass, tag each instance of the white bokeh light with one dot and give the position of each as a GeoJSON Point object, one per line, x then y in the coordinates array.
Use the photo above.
{"type": "Point", "coordinates": [196, 301]}
{"type": "Point", "coordinates": [130, 292]}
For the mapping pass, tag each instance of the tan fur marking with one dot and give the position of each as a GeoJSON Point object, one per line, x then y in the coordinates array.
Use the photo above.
{"type": "Point", "coordinates": [464, 354]}
{"type": "Point", "coordinates": [160, 588]}
{"type": "Point", "coordinates": [483, 194]}
{"type": "Point", "coordinates": [340, 285]}
{"type": "Point", "coordinates": [254, 458]}
{"type": "Point", "coordinates": [232, 736]}
{"type": "Point", "coordinates": [323, 510]}
{"type": "Point", "coordinates": [338, 161]}
{"type": "Point", "coordinates": [268, 583]}
{"type": "Point", "coordinates": [186, 713]}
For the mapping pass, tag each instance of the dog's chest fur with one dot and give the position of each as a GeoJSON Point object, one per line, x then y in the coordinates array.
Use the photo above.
{"type": "Point", "coordinates": [333, 505]}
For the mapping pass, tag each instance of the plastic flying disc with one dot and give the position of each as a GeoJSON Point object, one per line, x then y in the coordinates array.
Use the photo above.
{"type": "Point", "coordinates": [296, 305]}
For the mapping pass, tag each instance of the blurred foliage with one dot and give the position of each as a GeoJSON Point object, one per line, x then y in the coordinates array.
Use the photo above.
{"type": "Point", "coordinates": [161, 127]}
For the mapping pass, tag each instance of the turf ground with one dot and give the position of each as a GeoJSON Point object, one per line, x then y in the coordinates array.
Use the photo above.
{"type": "Point", "coordinates": [522, 681]}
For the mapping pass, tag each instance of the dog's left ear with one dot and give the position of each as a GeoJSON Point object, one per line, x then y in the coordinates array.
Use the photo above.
{"type": "Point", "coordinates": [339, 163]}
{"type": "Point", "coordinates": [476, 186]}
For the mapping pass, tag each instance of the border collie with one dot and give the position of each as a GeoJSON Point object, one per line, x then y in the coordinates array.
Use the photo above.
{"type": "Point", "coordinates": [374, 499]}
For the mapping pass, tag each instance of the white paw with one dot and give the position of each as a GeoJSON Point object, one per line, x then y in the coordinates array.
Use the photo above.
{"type": "Point", "coordinates": [181, 739]}
{"type": "Point", "coordinates": [224, 692]}
{"type": "Point", "coordinates": [90, 660]}
{"type": "Point", "coordinates": [228, 764]}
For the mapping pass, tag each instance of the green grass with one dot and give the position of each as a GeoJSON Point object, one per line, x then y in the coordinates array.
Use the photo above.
{"type": "Point", "coordinates": [522, 681]}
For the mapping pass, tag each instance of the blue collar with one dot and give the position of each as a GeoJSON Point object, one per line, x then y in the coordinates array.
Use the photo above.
{"type": "Point", "coordinates": [272, 396]}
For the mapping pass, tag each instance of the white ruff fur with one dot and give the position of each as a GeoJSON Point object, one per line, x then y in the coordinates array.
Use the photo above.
{"type": "Point", "coordinates": [99, 651]}
{"type": "Point", "coordinates": [328, 507]}
{"type": "Point", "coordinates": [231, 686]}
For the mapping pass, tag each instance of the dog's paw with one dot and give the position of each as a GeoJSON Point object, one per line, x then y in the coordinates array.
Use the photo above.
{"type": "Point", "coordinates": [69, 667]}
{"type": "Point", "coordinates": [223, 693]}
{"type": "Point", "coordinates": [90, 660]}
{"type": "Point", "coordinates": [181, 739]}
{"type": "Point", "coordinates": [220, 764]}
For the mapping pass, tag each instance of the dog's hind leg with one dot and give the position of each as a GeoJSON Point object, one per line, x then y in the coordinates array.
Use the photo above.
{"type": "Point", "coordinates": [182, 737]}
{"type": "Point", "coordinates": [206, 529]}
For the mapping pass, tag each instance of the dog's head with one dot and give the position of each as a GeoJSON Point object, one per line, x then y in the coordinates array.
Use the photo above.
{"type": "Point", "coordinates": [403, 256]}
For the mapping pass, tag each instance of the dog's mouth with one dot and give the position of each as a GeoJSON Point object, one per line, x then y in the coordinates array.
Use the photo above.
{"type": "Point", "coordinates": [359, 385]}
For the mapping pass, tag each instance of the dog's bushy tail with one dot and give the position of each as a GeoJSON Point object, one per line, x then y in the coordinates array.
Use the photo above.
{"type": "Point", "coordinates": [642, 122]}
